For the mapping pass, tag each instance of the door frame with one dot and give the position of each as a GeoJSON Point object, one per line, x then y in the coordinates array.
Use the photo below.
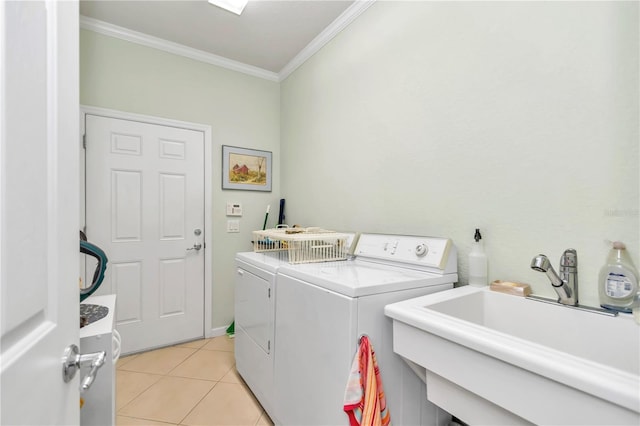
{"type": "Point", "coordinates": [208, 198]}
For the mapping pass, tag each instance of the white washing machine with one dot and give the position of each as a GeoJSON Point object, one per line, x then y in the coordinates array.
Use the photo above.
{"type": "Point", "coordinates": [254, 321]}
{"type": "Point", "coordinates": [322, 309]}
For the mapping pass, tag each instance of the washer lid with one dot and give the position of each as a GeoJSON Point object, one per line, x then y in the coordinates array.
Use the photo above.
{"type": "Point", "coordinates": [356, 278]}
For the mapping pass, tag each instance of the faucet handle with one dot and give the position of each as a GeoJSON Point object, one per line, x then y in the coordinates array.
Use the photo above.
{"type": "Point", "coordinates": [569, 259]}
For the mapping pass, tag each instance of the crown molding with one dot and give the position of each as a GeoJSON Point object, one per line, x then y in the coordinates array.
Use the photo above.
{"type": "Point", "coordinates": [122, 33]}
{"type": "Point", "coordinates": [340, 23]}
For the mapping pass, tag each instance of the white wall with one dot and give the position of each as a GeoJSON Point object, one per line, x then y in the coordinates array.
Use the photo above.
{"type": "Point", "coordinates": [242, 111]}
{"type": "Point", "coordinates": [436, 118]}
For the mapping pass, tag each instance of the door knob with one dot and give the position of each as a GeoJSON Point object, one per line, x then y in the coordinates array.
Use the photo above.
{"type": "Point", "coordinates": [195, 247]}
{"type": "Point", "coordinates": [72, 360]}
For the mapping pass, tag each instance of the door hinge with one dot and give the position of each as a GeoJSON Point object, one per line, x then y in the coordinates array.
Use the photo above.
{"type": "Point", "coordinates": [84, 141]}
{"type": "Point", "coordinates": [268, 345]}
{"type": "Point", "coordinates": [269, 293]}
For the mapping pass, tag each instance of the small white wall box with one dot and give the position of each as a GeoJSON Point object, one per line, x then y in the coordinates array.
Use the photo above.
{"type": "Point", "coordinates": [234, 209]}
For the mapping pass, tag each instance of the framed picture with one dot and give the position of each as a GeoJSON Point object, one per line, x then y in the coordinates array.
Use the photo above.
{"type": "Point", "coordinates": [246, 169]}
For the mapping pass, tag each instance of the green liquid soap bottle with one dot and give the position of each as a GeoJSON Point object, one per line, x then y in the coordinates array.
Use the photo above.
{"type": "Point", "coordinates": [618, 287]}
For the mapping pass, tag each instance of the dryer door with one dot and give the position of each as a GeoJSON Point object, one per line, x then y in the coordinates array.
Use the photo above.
{"type": "Point", "coordinates": [253, 308]}
{"type": "Point", "coordinates": [254, 338]}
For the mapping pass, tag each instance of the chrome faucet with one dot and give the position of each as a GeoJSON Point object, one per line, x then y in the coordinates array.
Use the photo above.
{"type": "Point", "coordinates": [565, 285]}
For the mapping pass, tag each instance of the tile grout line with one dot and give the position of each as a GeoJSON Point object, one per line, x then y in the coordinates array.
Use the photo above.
{"type": "Point", "coordinates": [150, 420]}
{"type": "Point", "coordinates": [163, 375]}
{"type": "Point", "coordinates": [167, 375]}
{"type": "Point", "coordinates": [180, 363]}
{"type": "Point", "coordinates": [196, 404]}
{"type": "Point", "coordinates": [141, 392]}
{"type": "Point", "coordinates": [212, 388]}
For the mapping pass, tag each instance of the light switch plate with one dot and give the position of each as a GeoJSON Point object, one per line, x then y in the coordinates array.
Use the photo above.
{"type": "Point", "coordinates": [233, 226]}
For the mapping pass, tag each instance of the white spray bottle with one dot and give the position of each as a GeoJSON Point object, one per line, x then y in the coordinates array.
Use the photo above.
{"type": "Point", "coordinates": [477, 262]}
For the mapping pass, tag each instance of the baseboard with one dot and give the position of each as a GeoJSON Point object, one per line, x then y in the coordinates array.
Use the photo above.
{"type": "Point", "coordinates": [215, 332]}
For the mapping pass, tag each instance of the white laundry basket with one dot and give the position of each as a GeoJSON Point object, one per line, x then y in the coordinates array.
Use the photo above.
{"type": "Point", "coordinates": [303, 245]}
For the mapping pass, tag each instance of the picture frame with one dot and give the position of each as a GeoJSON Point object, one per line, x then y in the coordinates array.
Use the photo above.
{"type": "Point", "coordinates": [246, 169]}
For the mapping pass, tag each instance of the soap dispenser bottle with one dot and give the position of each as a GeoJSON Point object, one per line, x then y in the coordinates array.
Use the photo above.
{"type": "Point", "coordinates": [618, 289]}
{"type": "Point", "coordinates": [477, 262]}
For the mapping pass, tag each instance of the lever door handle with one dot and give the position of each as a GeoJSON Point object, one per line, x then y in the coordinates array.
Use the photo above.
{"type": "Point", "coordinates": [73, 360]}
{"type": "Point", "coordinates": [95, 361]}
{"type": "Point", "coordinates": [195, 247]}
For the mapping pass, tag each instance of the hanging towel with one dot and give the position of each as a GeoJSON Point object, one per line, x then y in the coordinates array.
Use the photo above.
{"type": "Point", "coordinates": [364, 400]}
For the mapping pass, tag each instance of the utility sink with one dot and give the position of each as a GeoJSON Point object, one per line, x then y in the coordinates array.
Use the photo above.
{"type": "Point", "coordinates": [494, 358]}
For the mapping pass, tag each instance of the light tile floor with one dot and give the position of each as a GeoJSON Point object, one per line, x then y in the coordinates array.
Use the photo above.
{"type": "Point", "coordinates": [194, 383]}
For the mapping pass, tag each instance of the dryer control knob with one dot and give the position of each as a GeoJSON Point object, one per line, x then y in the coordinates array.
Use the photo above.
{"type": "Point", "coordinates": [422, 250]}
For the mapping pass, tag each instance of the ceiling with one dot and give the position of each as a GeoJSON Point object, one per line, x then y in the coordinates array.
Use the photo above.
{"type": "Point", "coordinates": [268, 35]}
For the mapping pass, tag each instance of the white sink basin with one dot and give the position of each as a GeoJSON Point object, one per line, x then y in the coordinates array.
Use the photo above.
{"type": "Point", "coordinates": [494, 358]}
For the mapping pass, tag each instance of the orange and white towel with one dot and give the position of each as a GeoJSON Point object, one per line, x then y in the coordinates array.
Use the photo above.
{"type": "Point", "coordinates": [364, 400]}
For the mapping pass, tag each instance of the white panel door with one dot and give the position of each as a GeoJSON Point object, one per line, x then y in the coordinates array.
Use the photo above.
{"type": "Point", "coordinates": [145, 209]}
{"type": "Point", "coordinates": [39, 254]}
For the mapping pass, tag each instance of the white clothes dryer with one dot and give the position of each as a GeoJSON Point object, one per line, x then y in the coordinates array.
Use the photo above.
{"type": "Point", "coordinates": [324, 308]}
{"type": "Point", "coordinates": [254, 321]}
